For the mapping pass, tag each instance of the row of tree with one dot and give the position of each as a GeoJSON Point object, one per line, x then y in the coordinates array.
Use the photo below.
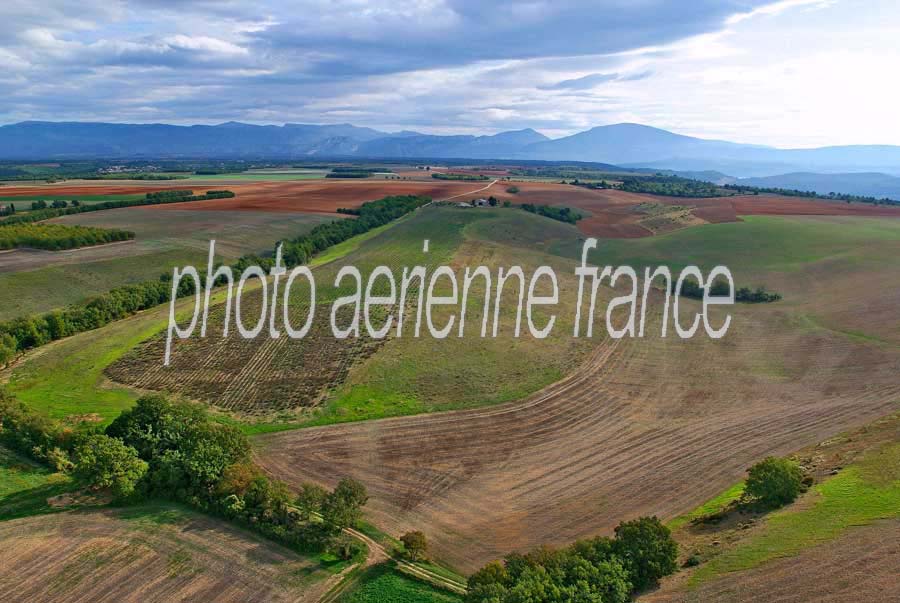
{"type": "Point", "coordinates": [46, 213]}
{"type": "Point", "coordinates": [174, 450]}
{"type": "Point", "coordinates": [369, 215]}
{"type": "Point", "coordinates": [21, 334]}
{"type": "Point", "coordinates": [465, 177]}
{"type": "Point", "coordinates": [599, 569]}
{"type": "Point", "coordinates": [55, 237]}
{"type": "Point", "coordinates": [788, 192]}
{"type": "Point", "coordinates": [760, 295]}
{"type": "Point", "coordinates": [562, 214]}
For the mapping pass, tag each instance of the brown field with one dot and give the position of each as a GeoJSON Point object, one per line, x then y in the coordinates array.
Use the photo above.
{"type": "Point", "coordinates": [861, 565]}
{"type": "Point", "coordinates": [651, 426]}
{"type": "Point", "coordinates": [320, 196]}
{"type": "Point", "coordinates": [612, 212]}
{"type": "Point", "coordinates": [257, 376]}
{"type": "Point", "coordinates": [108, 555]}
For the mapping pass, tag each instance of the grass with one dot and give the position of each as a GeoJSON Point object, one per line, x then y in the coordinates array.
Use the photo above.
{"type": "Point", "coordinates": [42, 290]}
{"type": "Point", "coordinates": [25, 486]}
{"type": "Point", "coordinates": [710, 507]}
{"type": "Point", "coordinates": [778, 243]}
{"type": "Point", "coordinates": [860, 494]}
{"type": "Point", "coordinates": [164, 239]}
{"type": "Point", "coordinates": [381, 584]}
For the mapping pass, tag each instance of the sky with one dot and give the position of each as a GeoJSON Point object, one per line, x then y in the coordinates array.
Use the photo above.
{"type": "Point", "coordinates": [789, 73]}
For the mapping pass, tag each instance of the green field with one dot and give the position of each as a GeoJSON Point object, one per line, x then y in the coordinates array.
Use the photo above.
{"type": "Point", "coordinates": [864, 492]}
{"type": "Point", "coordinates": [25, 486]}
{"type": "Point", "coordinates": [164, 238]}
{"type": "Point", "coordinates": [85, 199]}
{"type": "Point", "coordinates": [383, 584]}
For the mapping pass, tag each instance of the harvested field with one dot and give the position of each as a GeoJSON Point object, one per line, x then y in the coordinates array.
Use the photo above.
{"type": "Point", "coordinates": [652, 426]}
{"type": "Point", "coordinates": [862, 565]}
{"type": "Point", "coordinates": [258, 376]}
{"type": "Point", "coordinates": [323, 197]}
{"type": "Point", "coordinates": [148, 553]}
{"type": "Point", "coordinates": [613, 215]}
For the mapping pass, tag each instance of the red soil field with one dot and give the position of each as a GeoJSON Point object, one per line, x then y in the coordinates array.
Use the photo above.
{"type": "Point", "coordinates": [321, 196]}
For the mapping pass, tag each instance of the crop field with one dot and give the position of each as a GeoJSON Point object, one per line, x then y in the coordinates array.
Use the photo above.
{"type": "Point", "coordinates": [153, 552]}
{"type": "Point", "coordinates": [651, 426]}
{"type": "Point", "coordinates": [324, 196]}
{"type": "Point", "coordinates": [407, 374]}
{"type": "Point", "coordinates": [542, 442]}
{"type": "Point", "coordinates": [837, 542]}
{"type": "Point", "coordinates": [620, 214]}
{"type": "Point", "coordinates": [35, 281]}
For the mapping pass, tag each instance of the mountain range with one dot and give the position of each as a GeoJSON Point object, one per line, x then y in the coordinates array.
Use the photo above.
{"type": "Point", "coordinates": [627, 145]}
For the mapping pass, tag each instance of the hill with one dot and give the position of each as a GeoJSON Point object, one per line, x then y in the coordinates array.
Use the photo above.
{"type": "Point", "coordinates": [630, 145]}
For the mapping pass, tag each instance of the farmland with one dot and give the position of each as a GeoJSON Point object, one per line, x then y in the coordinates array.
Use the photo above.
{"type": "Point", "coordinates": [616, 434]}
{"type": "Point", "coordinates": [538, 441]}
{"type": "Point", "coordinates": [37, 281]}
{"type": "Point", "coordinates": [153, 552]}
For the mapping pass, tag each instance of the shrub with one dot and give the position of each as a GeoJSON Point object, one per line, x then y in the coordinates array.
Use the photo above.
{"type": "Point", "coordinates": [647, 549]}
{"type": "Point", "coordinates": [512, 190]}
{"type": "Point", "coordinates": [415, 545]}
{"type": "Point", "coordinates": [774, 482]}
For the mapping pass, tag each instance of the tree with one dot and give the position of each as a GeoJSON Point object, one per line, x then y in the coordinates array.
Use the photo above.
{"type": "Point", "coordinates": [7, 348]}
{"type": "Point", "coordinates": [310, 499]}
{"type": "Point", "coordinates": [415, 544]}
{"type": "Point", "coordinates": [105, 462]}
{"type": "Point", "coordinates": [342, 508]}
{"type": "Point", "coordinates": [774, 482]}
{"type": "Point", "coordinates": [647, 549]}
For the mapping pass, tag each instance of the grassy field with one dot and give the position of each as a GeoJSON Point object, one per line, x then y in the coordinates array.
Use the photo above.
{"type": "Point", "coordinates": [382, 584]}
{"type": "Point", "coordinates": [33, 281]}
{"type": "Point", "coordinates": [25, 486]}
{"type": "Point", "coordinates": [862, 493]}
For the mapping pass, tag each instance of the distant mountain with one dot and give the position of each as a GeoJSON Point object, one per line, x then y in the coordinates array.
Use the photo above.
{"type": "Point", "coordinates": [627, 145]}
{"type": "Point", "coordinates": [868, 184]}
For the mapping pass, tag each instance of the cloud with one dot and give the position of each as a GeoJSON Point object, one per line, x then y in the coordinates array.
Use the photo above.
{"type": "Point", "coordinates": [449, 66]}
{"type": "Point", "coordinates": [593, 80]}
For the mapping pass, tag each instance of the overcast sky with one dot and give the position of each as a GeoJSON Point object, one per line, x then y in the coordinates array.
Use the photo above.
{"type": "Point", "coordinates": [794, 73]}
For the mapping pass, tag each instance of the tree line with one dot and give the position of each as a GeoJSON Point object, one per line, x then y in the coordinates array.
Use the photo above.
{"type": "Point", "coordinates": [465, 177]}
{"type": "Point", "coordinates": [562, 214]}
{"type": "Point", "coordinates": [45, 213]}
{"type": "Point", "coordinates": [600, 569]}
{"type": "Point", "coordinates": [55, 237]}
{"type": "Point", "coordinates": [174, 450]}
{"type": "Point", "coordinates": [832, 196]}
{"type": "Point", "coordinates": [24, 333]}
{"type": "Point", "coordinates": [760, 295]}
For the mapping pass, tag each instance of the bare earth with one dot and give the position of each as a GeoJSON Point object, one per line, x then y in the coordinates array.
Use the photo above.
{"type": "Point", "coordinates": [97, 556]}
{"type": "Point", "coordinates": [861, 565]}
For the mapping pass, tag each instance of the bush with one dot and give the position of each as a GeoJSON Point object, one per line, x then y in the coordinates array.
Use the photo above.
{"type": "Point", "coordinates": [415, 545]}
{"type": "Point", "coordinates": [774, 482]}
{"type": "Point", "coordinates": [647, 549]}
{"type": "Point", "coordinates": [103, 462]}
{"type": "Point", "coordinates": [512, 190]}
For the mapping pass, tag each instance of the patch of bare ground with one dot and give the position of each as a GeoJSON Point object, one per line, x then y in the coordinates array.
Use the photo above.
{"type": "Point", "coordinates": [109, 555]}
